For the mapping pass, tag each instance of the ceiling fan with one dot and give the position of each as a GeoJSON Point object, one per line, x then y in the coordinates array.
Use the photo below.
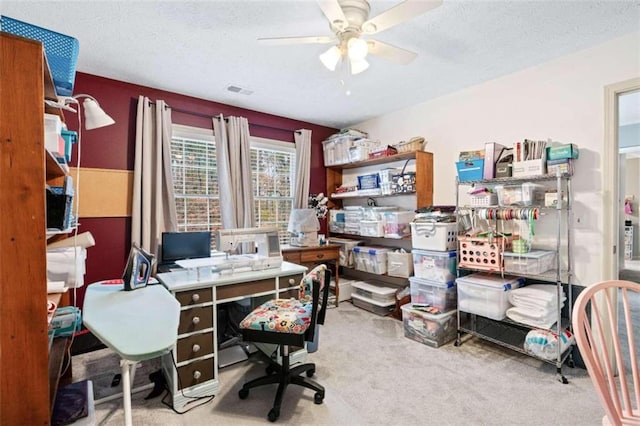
{"type": "Point", "coordinates": [349, 20]}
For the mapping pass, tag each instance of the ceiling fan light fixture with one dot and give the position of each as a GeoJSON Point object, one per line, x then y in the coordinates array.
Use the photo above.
{"type": "Point", "coordinates": [331, 57]}
{"type": "Point", "coordinates": [358, 65]}
{"type": "Point", "coordinates": [357, 49]}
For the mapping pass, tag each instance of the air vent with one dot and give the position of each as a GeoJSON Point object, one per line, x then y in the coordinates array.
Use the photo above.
{"type": "Point", "coordinates": [240, 90]}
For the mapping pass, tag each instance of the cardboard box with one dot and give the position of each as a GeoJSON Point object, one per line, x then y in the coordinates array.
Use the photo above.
{"type": "Point", "coordinates": [563, 166]}
{"type": "Point", "coordinates": [529, 168]}
{"type": "Point", "coordinates": [559, 152]}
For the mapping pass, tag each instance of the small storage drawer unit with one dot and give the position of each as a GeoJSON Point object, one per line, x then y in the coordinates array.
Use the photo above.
{"type": "Point", "coordinates": [399, 264]}
{"type": "Point", "coordinates": [531, 263]}
{"type": "Point", "coordinates": [378, 308]}
{"type": "Point", "coordinates": [434, 236]}
{"type": "Point", "coordinates": [441, 296]}
{"type": "Point", "coordinates": [486, 295]}
{"type": "Point", "coordinates": [374, 292]}
{"type": "Point", "coordinates": [371, 259]}
{"type": "Point", "coordinates": [433, 330]}
{"type": "Point", "coordinates": [396, 224]}
{"type": "Point", "coordinates": [434, 265]}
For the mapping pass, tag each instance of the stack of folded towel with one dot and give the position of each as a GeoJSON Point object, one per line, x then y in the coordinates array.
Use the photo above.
{"type": "Point", "coordinates": [535, 305]}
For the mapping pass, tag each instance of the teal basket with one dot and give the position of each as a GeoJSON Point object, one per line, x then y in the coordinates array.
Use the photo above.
{"type": "Point", "coordinates": [61, 51]}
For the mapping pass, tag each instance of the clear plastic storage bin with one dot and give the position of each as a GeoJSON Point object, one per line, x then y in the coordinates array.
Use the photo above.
{"type": "Point", "coordinates": [531, 263]}
{"type": "Point", "coordinates": [378, 308]}
{"type": "Point", "coordinates": [374, 292]}
{"type": "Point", "coordinates": [486, 295]}
{"type": "Point", "coordinates": [526, 194]}
{"type": "Point", "coordinates": [346, 250]}
{"type": "Point", "coordinates": [441, 296]}
{"type": "Point", "coordinates": [433, 330]}
{"type": "Point", "coordinates": [372, 228]}
{"type": "Point", "coordinates": [396, 224]}
{"type": "Point", "coordinates": [434, 265]}
{"type": "Point", "coordinates": [371, 259]}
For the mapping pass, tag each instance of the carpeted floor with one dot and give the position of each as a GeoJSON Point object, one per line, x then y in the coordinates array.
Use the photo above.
{"type": "Point", "coordinates": [373, 375]}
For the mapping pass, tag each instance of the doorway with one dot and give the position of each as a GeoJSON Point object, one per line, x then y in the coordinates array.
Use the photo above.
{"type": "Point", "coordinates": [622, 184]}
{"type": "Point", "coordinates": [629, 184]}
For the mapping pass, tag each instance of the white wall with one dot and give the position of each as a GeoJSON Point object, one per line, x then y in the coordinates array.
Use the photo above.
{"type": "Point", "coordinates": [562, 99]}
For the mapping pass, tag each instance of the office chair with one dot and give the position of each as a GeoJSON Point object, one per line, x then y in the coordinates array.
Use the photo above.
{"type": "Point", "coordinates": [286, 323]}
{"type": "Point", "coordinates": [616, 388]}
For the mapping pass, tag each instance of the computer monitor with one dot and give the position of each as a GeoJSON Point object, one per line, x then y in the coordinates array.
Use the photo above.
{"type": "Point", "coordinates": [185, 245]}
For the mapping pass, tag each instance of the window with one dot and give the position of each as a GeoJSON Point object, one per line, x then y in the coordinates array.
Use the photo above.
{"type": "Point", "coordinates": [195, 175]}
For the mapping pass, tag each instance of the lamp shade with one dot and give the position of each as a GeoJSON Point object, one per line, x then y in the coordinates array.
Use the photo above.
{"type": "Point", "coordinates": [331, 57]}
{"type": "Point", "coordinates": [303, 220]}
{"type": "Point", "coordinates": [94, 116]}
{"type": "Point", "coordinates": [358, 65]}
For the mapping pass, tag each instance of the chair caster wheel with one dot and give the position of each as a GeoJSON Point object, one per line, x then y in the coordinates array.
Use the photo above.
{"type": "Point", "coordinates": [273, 415]}
{"type": "Point", "coordinates": [318, 398]}
{"type": "Point", "coordinates": [243, 393]}
{"type": "Point", "coordinates": [571, 364]}
{"type": "Point", "coordinates": [311, 372]}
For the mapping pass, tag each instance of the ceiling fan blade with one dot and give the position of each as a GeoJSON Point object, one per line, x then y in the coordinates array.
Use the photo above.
{"type": "Point", "coordinates": [401, 12]}
{"type": "Point", "coordinates": [391, 53]}
{"type": "Point", "coordinates": [278, 41]}
{"type": "Point", "coordinates": [334, 13]}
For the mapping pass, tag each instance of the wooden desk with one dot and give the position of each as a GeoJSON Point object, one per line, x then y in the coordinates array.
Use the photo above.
{"type": "Point", "coordinates": [313, 256]}
{"type": "Point", "coordinates": [191, 368]}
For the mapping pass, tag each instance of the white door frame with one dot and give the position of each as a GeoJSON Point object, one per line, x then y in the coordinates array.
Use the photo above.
{"type": "Point", "coordinates": [611, 222]}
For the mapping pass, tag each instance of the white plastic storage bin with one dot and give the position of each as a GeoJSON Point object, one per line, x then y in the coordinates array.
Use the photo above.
{"type": "Point", "coordinates": [531, 263]}
{"type": "Point", "coordinates": [526, 194]}
{"type": "Point", "coordinates": [346, 288]}
{"type": "Point", "coordinates": [433, 330]}
{"type": "Point", "coordinates": [374, 292]}
{"type": "Point", "coordinates": [396, 224]}
{"type": "Point", "coordinates": [485, 294]}
{"type": "Point", "coordinates": [434, 265]}
{"type": "Point", "coordinates": [441, 296]}
{"type": "Point", "coordinates": [346, 250]}
{"type": "Point", "coordinates": [399, 264]}
{"type": "Point", "coordinates": [434, 236]}
{"type": "Point", "coordinates": [371, 259]}
{"type": "Point", "coordinates": [379, 308]}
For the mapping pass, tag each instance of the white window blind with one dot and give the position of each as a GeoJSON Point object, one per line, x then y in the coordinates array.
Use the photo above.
{"type": "Point", "coordinates": [195, 174]}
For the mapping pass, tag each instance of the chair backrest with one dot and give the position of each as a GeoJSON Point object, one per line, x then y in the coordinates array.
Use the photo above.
{"type": "Point", "coordinates": [619, 393]}
{"type": "Point", "coordinates": [311, 286]}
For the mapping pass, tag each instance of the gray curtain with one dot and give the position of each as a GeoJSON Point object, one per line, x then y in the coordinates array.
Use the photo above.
{"type": "Point", "coordinates": [153, 210]}
{"type": "Point", "coordinates": [303, 168]}
{"type": "Point", "coordinates": [233, 153]}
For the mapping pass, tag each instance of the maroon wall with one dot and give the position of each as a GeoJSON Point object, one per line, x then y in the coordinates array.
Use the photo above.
{"type": "Point", "coordinates": [112, 147]}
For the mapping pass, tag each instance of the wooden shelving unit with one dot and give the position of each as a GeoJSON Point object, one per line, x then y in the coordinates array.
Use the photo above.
{"type": "Point", "coordinates": [26, 394]}
{"type": "Point", "coordinates": [423, 198]}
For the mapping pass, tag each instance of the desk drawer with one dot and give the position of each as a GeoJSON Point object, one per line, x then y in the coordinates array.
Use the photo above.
{"type": "Point", "coordinates": [194, 346]}
{"type": "Point", "coordinates": [319, 255]}
{"type": "Point", "coordinates": [293, 257]}
{"type": "Point", "coordinates": [244, 289]}
{"type": "Point", "coordinates": [195, 297]}
{"type": "Point", "coordinates": [195, 319]}
{"type": "Point", "coordinates": [195, 373]}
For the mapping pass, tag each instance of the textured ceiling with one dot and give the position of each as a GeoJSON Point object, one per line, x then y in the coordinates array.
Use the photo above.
{"type": "Point", "coordinates": [199, 48]}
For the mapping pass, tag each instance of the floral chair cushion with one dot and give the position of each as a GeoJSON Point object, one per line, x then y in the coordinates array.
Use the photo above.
{"type": "Point", "coordinates": [287, 315]}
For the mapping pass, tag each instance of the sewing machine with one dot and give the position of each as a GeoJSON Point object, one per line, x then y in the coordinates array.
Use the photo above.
{"type": "Point", "coordinates": [248, 249]}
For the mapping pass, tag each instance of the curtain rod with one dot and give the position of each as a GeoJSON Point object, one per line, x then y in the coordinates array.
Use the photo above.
{"type": "Point", "coordinates": [199, 114]}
